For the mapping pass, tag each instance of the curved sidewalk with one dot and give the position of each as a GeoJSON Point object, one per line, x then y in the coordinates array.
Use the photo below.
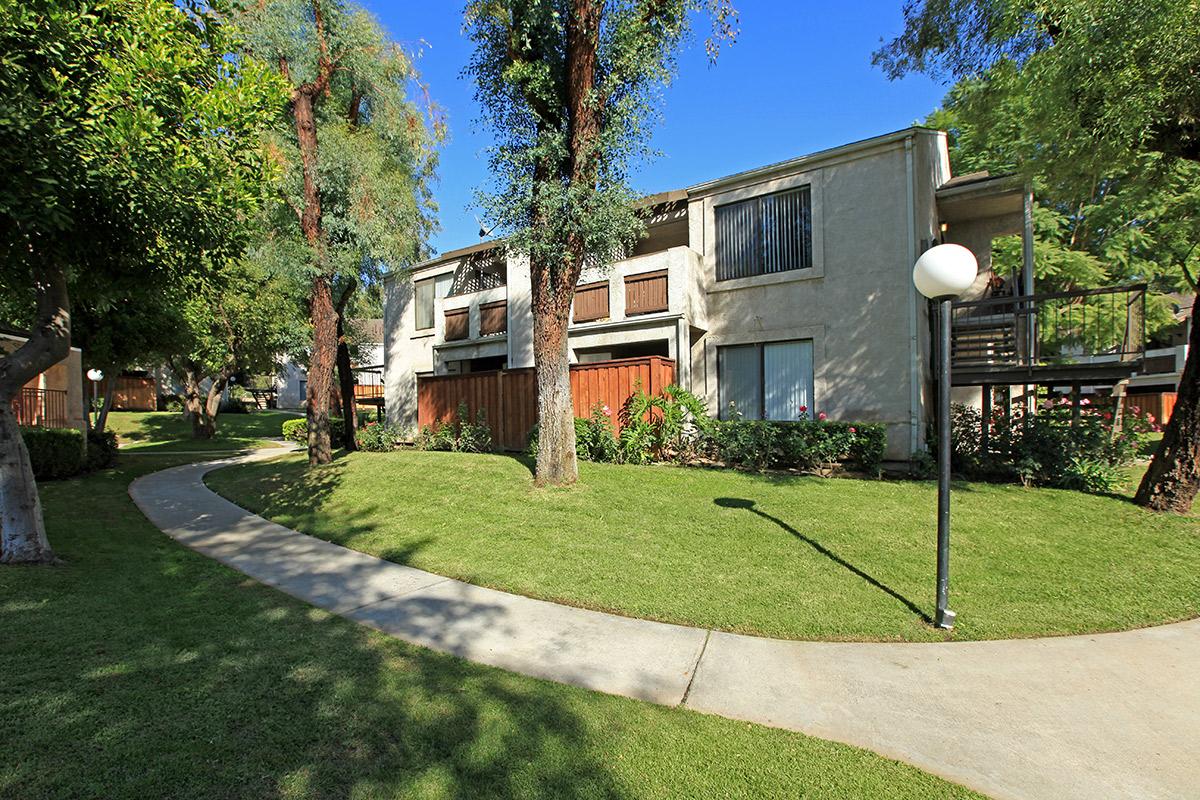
{"type": "Point", "coordinates": [1109, 715]}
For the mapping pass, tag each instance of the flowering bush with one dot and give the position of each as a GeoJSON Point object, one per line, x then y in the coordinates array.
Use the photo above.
{"type": "Point", "coordinates": [1050, 447]}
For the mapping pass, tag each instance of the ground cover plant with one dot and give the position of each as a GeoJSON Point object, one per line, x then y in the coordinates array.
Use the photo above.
{"type": "Point", "coordinates": [138, 668]}
{"type": "Point", "coordinates": [787, 556]}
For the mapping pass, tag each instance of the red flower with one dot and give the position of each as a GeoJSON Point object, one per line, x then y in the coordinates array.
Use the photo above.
{"type": "Point", "coordinates": [1107, 415]}
{"type": "Point", "coordinates": [803, 409]}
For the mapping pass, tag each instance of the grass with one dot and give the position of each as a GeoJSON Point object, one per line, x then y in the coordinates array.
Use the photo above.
{"type": "Point", "coordinates": [792, 557]}
{"type": "Point", "coordinates": [168, 431]}
{"type": "Point", "coordinates": [138, 668]}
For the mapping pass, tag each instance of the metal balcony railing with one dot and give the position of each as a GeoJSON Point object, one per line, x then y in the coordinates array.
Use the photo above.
{"type": "Point", "coordinates": [41, 408]}
{"type": "Point", "coordinates": [1087, 328]}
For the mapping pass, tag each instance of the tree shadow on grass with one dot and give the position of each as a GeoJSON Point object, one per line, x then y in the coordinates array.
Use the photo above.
{"type": "Point", "coordinates": [749, 505]}
{"type": "Point", "coordinates": [144, 669]}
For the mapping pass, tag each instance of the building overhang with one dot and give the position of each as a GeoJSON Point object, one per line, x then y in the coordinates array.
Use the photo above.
{"type": "Point", "coordinates": [980, 196]}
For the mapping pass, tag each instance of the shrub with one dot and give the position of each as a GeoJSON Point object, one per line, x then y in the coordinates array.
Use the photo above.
{"type": "Point", "coordinates": [594, 437]}
{"type": "Point", "coordinates": [54, 453]}
{"type": "Point", "coordinates": [376, 438]}
{"type": "Point", "coordinates": [461, 436]}
{"type": "Point", "coordinates": [170, 402]}
{"type": "Point", "coordinates": [296, 430]}
{"type": "Point", "coordinates": [101, 450]}
{"type": "Point", "coordinates": [1048, 448]}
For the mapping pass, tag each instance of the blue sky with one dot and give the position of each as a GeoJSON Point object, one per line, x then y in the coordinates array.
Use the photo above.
{"type": "Point", "coordinates": [799, 79]}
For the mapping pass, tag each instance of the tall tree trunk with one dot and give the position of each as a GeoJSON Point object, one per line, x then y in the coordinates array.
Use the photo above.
{"type": "Point", "coordinates": [321, 311]}
{"type": "Point", "coordinates": [345, 372]}
{"type": "Point", "coordinates": [22, 529]}
{"type": "Point", "coordinates": [1173, 479]}
{"type": "Point", "coordinates": [556, 460]}
{"type": "Point", "coordinates": [106, 406]}
{"type": "Point", "coordinates": [193, 402]}
{"type": "Point", "coordinates": [212, 403]}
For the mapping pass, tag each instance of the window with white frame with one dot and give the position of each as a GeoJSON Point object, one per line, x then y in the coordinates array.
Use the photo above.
{"type": "Point", "coordinates": [425, 292]}
{"type": "Point", "coordinates": [767, 380]}
{"type": "Point", "coordinates": [765, 234]}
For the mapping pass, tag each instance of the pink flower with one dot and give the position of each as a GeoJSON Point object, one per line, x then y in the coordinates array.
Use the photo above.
{"type": "Point", "coordinates": [821, 415]}
{"type": "Point", "coordinates": [1066, 401]}
{"type": "Point", "coordinates": [1047, 403]}
{"type": "Point", "coordinates": [803, 409]}
{"type": "Point", "coordinates": [1085, 402]}
{"type": "Point", "coordinates": [854, 430]}
{"type": "Point", "coordinates": [1137, 410]}
{"type": "Point", "coordinates": [1150, 418]}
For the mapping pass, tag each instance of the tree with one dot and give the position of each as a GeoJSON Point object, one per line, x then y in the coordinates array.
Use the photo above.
{"type": "Point", "coordinates": [570, 88]}
{"type": "Point", "coordinates": [358, 157]}
{"type": "Point", "coordinates": [1103, 82]}
{"type": "Point", "coordinates": [238, 319]}
{"type": "Point", "coordinates": [129, 142]}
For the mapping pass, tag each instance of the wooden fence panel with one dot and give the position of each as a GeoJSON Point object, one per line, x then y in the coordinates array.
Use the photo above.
{"type": "Point", "coordinates": [131, 393]}
{"type": "Point", "coordinates": [509, 397]}
{"type": "Point", "coordinates": [1160, 404]}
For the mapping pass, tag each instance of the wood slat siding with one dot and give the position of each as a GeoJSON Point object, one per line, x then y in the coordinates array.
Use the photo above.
{"type": "Point", "coordinates": [591, 301]}
{"type": "Point", "coordinates": [509, 397]}
{"type": "Point", "coordinates": [493, 318]}
{"type": "Point", "coordinates": [646, 293]}
{"type": "Point", "coordinates": [458, 324]}
{"type": "Point", "coordinates": [763, 235]}
{"type": "Point", "coordinates": [131, 393]}
{"type": "Point", "coordinates": [1160, 404]}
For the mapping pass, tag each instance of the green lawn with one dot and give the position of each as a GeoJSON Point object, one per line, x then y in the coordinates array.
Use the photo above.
{"type": "Point", "coordinates": [796, 557]}
{"type": "Point", "coordinates": [139, 669]}
{"type": "Point", "coordinates": [168, 431]}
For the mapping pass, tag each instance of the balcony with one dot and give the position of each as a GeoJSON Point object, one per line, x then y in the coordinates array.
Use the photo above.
{"type": "Point", "coordinates": [1083, 336]}
{"type": "Point", "coordinates": [41, 408]}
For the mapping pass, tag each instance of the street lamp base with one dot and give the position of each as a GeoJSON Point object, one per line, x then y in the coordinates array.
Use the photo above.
{"type": "Point", "coordinates": [945, 619]}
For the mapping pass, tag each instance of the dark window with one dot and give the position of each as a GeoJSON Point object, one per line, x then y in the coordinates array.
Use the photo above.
{"type": "Point", "coordinates": [763, 235]}
{"type": "Point", "coordinates": [773, 380]}
{"type": "Point", "coordinates": [425, 292]}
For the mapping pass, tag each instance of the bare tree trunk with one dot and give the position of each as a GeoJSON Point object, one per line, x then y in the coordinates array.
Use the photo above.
{"type": "Point", "coordinates": [345, 372]}
{"type": "Point", "coordinates": [320, 371]}
{"type": "Point", "coordinates": [1173, 479]}
{"type": "Point", "coordinates": [193, 402]}
{"type": "Point", "coordinates": [212, 403]}
{"type": "Point", "coordinates": [556, 460]}
{"type": "Point", "coordinates": [22, 529]}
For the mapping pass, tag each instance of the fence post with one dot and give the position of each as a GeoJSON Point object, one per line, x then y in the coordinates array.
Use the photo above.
{"type": "Point", "coordinates": [501, 432]}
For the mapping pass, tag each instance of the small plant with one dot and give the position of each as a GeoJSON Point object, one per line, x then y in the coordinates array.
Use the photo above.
{"type": "Point", "coordinates": [296, 430]}
{"type": "Point", "coordinates": [374, 437]}
{"type": "Point", "coordinates": [461, 436]}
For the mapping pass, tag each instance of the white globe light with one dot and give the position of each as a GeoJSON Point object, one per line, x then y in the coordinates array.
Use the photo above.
{"type": "Point", "coordinates": [95, 375]}
{"type": "Point", "coordinates": [945, 271]}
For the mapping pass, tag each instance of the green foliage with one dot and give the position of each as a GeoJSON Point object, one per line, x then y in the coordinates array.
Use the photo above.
{"type": "Point", "coordinates": [296, 430]}
{"type": "Point", "coordinates": [101, 450]}
{"type": "Point", "coordinates": [129, 141]}
{"type": "Point", "coordinates": [54, 453]}
{"type": "Point", "coordinates": [460, 435]}
{"type": "Point", "coordinates": [561, 186]}
{"type": "Point", "coordinates": [1047, 448]}
{"type": "Point", "coordinates": [374, 437]}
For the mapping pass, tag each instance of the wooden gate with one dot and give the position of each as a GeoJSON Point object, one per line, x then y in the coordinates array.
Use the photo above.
{"type": "Point", "coordinates": [508, 398]}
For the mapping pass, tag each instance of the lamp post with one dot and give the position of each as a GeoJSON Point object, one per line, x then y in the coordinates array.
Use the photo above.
{"type": "Point", "coordinates": [95, 376]}
{"type": "Point", "coordinates": [942, 273]}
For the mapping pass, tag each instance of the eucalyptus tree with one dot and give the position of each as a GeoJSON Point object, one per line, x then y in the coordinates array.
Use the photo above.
{"type": "Point", "coordinates": [571, 88]}
{"type": "Point", "coordinates": [358, 154]}
{"type": "Point", "coordinates": [130, 142]}
{"type": "Point", "coordinates": [1103, 82]}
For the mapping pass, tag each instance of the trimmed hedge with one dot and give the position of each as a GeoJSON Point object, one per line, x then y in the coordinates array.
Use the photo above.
{"type": "Point", "coordinates": [296, 430]}
{"type": "Point", "coordinates": [54, 453]}
{"type": "Point", "coordinates": [810, 445]}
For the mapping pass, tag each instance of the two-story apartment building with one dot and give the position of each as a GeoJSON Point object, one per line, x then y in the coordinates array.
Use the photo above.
{"type": "Point", "coordinates": [780, 291]}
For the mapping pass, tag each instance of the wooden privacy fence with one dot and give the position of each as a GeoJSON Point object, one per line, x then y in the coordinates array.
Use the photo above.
{"type": "Point", "coordinates": [508, 398]}
{"type": "Point", "coordinates": [1160, 404]}
{"type": "Point", "coordinates": [130, 393]}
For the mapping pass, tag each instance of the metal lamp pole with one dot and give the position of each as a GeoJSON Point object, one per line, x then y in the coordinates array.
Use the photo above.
{"type": "Point", "coordinates": [942, 273]}
{"type": "Point", "coordinates": [944, 618]}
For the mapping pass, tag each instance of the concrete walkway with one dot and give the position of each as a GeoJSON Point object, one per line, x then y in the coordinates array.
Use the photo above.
{"type": "Point", "coordinates": [1089, 717]}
